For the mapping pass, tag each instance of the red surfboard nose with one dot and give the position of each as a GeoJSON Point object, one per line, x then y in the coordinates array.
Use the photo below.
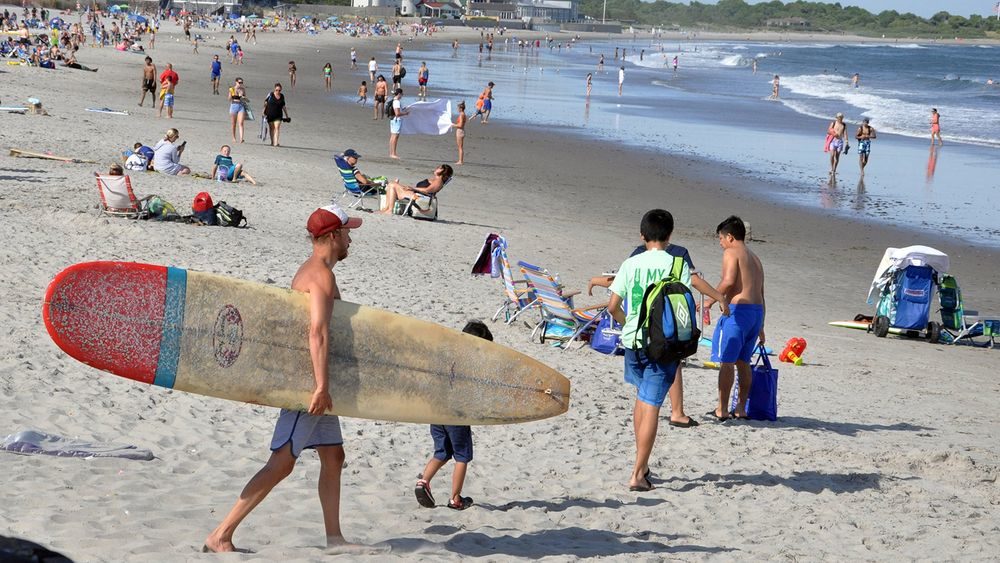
{"type": "Point", "coordinates": [109, 315]}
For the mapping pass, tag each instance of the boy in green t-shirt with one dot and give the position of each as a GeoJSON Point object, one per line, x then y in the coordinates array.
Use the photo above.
{"type": "Point", "coordinates": [652, 380]}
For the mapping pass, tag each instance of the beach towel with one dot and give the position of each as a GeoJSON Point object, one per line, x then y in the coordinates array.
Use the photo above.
{"type": "Point", "coordinates": [36, 442]}
{"type": "Point", "coordinates": [486, 261]}
{"type": "Point", "coordinates": [427, 118]}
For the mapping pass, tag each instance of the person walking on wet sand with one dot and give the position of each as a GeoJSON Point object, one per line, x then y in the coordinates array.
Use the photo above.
{"type": "Point", "coordinates": [148, 81]}
{"type": "Point", "coordinates": [740, 329]}
{"type": "Point", "coordinates": [487, 97]}
{"type": "Point", "coordinates": [837, 134]}
{"type": "Point", "coordinates": [864, 136]}
{"type": "Point", "coordinates": [621, 79]}
{"type": "Point", "coordinates": [396, 123]}
{"type": "Point", "coordinates": [450, 442]}
{"type": "Point", "coordinates": [330, 231]}
{"type": "Point", "coordinates": [936, 126]}
{"type": "Point", "coordinates": [775, 86]}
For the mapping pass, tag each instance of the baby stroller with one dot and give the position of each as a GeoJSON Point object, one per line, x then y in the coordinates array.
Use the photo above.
{"type": "Point", "coordinates": [905, 284]}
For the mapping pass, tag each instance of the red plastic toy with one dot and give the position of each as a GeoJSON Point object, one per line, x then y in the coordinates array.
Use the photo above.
{"type": "Point", "coordinates": [793, 351]}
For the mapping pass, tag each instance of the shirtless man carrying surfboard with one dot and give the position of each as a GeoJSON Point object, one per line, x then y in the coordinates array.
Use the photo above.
{"type": "Point", "coordinates": [330, 230]}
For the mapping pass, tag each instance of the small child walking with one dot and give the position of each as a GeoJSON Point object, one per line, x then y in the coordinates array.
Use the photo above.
{"type": "Point", "coordinates": [363, 94]}
{"type": "Point", "coordinates": [450, 442]}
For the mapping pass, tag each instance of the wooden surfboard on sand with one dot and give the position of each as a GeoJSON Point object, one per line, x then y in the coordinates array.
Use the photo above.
{"type": "Point", "coordinates": [237, 340]}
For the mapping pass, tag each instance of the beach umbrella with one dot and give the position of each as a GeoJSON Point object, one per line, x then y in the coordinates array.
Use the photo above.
{"type": "Point", "coordinates": [114, 9]}
{"type": "Point", "coordinates": [123, 6]}
{"type": "Point", "coordinates": [140, 19]}
{"type": "Point", "coordinates": [55, 23]}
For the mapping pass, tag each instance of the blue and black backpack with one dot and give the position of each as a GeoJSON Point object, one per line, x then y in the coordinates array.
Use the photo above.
{"type": "Point", "coordinates": [667, 318]}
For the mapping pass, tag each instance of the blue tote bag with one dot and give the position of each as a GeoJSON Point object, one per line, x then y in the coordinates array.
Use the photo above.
{"type": "Point", "coordinates": [763, 401]}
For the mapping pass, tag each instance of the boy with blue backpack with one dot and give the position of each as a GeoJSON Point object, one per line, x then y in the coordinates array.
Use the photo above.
{"type": "Point", "coordinates": [651, 300]}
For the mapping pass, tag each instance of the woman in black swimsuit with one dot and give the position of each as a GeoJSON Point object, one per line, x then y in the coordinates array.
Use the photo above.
{"type": "Point", "coordinates": [429, 186]}
{"type": "Point", "coordinates": [274, 109]}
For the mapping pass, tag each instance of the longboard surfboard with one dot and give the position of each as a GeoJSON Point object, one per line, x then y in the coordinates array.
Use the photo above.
{"type": "Point", "coordinates": [861, 325]}
{"type": "Point", "coordinates": [30, 154]}
{"type": "Point", "coordinates": [232, 339]}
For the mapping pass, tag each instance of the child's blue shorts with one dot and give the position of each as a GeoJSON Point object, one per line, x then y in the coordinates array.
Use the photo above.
{"type": "Point", "coordinates": [452, 441]}
{"type": "Point", "coordinates": [652, 380]}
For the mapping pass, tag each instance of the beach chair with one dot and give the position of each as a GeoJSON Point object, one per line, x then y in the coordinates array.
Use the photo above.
{"type": "Point", "coordinates": [959, 323]}
{"type": "Point", "coordinates": [561, 321]}
{"type": "Point", "coordinates": [351, 186]}
{"type": "Point", "coordinates": [117, 198]}
{"type": "Point", "coordinates": [425, 206]}
{"type": "Point", "coordinates": [516, 299]}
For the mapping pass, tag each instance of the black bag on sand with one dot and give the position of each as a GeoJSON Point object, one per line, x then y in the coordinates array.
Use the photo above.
{"type": "Point", "coordinates": [229, 216]}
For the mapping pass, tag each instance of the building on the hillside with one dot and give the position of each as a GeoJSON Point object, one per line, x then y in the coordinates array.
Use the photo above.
{"type": "Point", "coordinates": [787, 22]}
{"type": "Point", "coordinates": [441, 10]}
{"type": "Point", "coordinates": [376, 4]}
{"type": "Point", "coordinates": [504, 10]}
{"type": "Point", "coordinates": [547, 10]}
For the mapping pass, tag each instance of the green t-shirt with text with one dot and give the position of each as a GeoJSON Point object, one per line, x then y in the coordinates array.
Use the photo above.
{"type": "Point", "coordinates": [631, 281]}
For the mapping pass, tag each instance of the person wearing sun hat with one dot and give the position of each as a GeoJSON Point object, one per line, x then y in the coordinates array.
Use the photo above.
{"type": "Point", "coordinates": [329, 230]}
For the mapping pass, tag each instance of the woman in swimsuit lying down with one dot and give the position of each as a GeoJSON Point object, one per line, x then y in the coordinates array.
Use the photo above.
{"type": "Point", "coordinates": [430, 186]}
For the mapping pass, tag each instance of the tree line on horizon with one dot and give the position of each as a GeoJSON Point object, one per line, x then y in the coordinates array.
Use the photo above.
{"type": "Point", "coordinates": [821, 17]}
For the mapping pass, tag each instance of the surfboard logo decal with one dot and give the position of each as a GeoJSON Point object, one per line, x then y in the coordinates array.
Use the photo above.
{"type": "Point", "coordinates": [227, 339]}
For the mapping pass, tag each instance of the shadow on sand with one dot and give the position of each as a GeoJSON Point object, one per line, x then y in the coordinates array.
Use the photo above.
{"type": "Point", "coordinates": [813, 482]}
{"type": "Point", "coordinates": [575, 541]}
{"type": "Point", "coordinates": [842, 428]}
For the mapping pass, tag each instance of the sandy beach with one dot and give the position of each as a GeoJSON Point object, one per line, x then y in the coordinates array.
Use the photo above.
{"type": "Point", "coordinates": [884, 448]}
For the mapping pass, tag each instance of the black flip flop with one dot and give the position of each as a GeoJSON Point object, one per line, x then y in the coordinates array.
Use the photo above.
{"type": "Point", "coordinates": [689, 424]}
{"type": "Point", "coordinates": [642, 488]}
{"type": "Point", "coordinates": [423, 493]}
{"type": "Point", "coordinates": [712, 414]}
{"type": "Point", "coordinates": [463, 503]}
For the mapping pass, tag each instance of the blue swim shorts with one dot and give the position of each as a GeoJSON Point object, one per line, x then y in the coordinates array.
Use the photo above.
{"type": "Point", "coordinates": [837, 145]}
{"type": "Point", "coordinates": [303, 430]}
{"type": "Point", "coordinates": [865, 147]}
{"type": "Point", "coordinates": [487, 104]}
{"type": "Point", "coordinates": [735, 336]}
{"type": "Point", "coordinates": [452, 441]}
{"type": "Point", "coordinates": [651, 379]}
{"type": "Point", "coordinates": [168, 100]}
{"type": "Point", "coordinates": [395, 124]}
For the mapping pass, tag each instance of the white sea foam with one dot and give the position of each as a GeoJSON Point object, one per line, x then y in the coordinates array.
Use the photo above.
{"type": "Point", "coordinates": [734, 60]}
{"type": "Point", "coordinates": [811, 95]}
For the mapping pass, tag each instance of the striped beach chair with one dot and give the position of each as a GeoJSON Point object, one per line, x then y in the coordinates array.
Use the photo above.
{"type": "Point", "coordinates": [561, 321]}
{"type": "Point", "coordinates": [351, 186]}
{"type": "Point", "coordinates": [516, 299]}
{"type": "Point", "coordinates": [117, 198]}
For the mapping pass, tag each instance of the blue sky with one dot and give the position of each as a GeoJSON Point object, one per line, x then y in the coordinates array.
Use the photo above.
{"type": "Point", "coordinates": [924, 8]}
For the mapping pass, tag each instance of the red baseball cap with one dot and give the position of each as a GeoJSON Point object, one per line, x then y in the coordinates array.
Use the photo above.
{"type": "Point", "coordinates": [330, 218]}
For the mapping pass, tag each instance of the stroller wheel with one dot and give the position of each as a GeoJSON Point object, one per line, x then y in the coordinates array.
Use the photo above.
{"type": "Point", "coordinates": [933, 332]}
{"type": "Point", "coordinates": [881, 326]}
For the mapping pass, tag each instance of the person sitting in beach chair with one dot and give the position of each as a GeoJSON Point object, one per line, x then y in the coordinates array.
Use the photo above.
{"type": "Point", "coordinates": [422, 196]}
{"type": "Point", "coordinates": [357, 184]}
{"type": "Point", "coordinates": [117, 197]}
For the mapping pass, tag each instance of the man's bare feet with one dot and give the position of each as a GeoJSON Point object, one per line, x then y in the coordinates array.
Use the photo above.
{"type": "Point", "coordinates": [216, 545]}
{"type": "Point", "coordinates": [393, 156]}
{"type": "Point", "coordinates": [459, 163]}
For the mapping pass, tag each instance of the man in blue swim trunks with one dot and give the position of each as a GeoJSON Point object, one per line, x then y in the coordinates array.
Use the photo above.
{"type": "Point", "coordinates": [652, 380]}
{"type": "Point", "coordinates": [330, 231]}
{"type": "Point", "coordinates": [738, 331]}
{"type": "Point", "coordinates": [864, 136]}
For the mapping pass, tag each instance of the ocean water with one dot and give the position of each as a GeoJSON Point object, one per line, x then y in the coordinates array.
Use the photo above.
{"type": "Point", "coordinates": [716, 108]}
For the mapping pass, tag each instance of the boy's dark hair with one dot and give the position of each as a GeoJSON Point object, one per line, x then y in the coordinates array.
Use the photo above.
{"type": "Point", "coordinates": [733, 225]}
{"type": "Point", "coordinates": [478, 328]}
{"type": "Point", "coordinates": [657, 225]}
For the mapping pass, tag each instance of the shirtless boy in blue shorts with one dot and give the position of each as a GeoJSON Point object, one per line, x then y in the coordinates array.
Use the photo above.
{"type": "Point", "coordinates": [652, 380]}
{"type": "Point", "coordinates": [738, 331]}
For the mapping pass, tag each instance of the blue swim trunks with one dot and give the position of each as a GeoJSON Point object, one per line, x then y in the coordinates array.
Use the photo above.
{"type": "Point", "coordinates": [395, 124]}
{"type": "Point", "coordinates": [735, 336]}
{"type": "Point", "coordinates": [487, 104]}
{"type": "Point", "coordinates": [452, 441]}
{"type": "Point", "coordinates": [168, 100]}
{"type": "Point", "coordinates": [652, 380]}
{"type": "Point", "coordinates": [865, 147]}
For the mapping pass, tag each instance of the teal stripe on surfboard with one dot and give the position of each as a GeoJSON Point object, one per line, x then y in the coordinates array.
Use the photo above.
{"type": "Point", "coordinates": [173, 325]}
